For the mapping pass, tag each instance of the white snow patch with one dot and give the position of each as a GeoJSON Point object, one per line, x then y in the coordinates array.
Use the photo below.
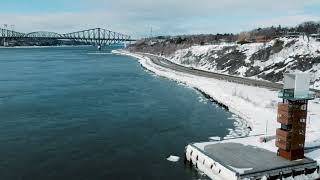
{"type": "Point", "coordinates": [241, 170]}
{"type": "Point", "coordinates": [215, 138]}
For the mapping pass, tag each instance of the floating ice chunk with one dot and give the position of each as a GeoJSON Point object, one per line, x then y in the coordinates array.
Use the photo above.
{"type": "Point", "coordinates": [173, 158]}
{"type": "Point", "coordinates": [215, 138]}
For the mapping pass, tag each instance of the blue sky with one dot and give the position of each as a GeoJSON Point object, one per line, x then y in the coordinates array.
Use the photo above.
{"type": "Point", "coordinates": [40, 6]}
{"type": "Point", "coordinates": [167, 17]}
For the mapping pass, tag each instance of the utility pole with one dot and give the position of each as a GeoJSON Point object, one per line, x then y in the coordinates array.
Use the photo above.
{"type": "Point", "coordinates": [267, 127]}
{"type": "Point", "coordinates": [151, 35]}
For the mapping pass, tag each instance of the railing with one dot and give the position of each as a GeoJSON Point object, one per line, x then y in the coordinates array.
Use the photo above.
{"type": "Point", "coordinates": [289, 94]}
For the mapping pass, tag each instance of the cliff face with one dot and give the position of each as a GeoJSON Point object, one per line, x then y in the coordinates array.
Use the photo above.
{"type": "Point", "coordinates": [256, 60]}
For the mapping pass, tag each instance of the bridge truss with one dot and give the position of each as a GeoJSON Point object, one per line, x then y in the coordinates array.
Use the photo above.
{"type": "Point", "coordinates": [96, 36]}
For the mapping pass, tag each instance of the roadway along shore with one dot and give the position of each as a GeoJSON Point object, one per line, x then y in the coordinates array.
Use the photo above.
{"type": "Point", "coordinates": [160, 61]}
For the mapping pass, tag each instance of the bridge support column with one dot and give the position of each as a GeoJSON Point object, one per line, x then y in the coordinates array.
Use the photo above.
{"type": "Point", "coordinates": [4, 42]}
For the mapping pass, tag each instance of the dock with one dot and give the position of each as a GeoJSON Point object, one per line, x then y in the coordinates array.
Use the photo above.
{"type": "Point", "coordinates": [230, 160]}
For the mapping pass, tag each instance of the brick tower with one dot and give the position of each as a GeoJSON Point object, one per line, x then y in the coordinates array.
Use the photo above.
{"type": "Point", "coordinates": [292, 114]}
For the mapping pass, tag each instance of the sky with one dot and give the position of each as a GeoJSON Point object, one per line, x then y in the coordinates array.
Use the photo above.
{"type": "Point", "coordinates": [166, 17]}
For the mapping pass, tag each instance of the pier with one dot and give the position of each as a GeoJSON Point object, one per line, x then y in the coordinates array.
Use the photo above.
{"type": "Point", "coordinates": [229, 160]}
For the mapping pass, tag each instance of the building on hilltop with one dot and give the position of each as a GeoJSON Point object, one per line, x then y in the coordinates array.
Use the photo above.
{"type": "Point", "coordinates": [263, 39]}
{"type": "Point", "coordinates": [292, 34]}
{"type": "Point", "coordinates": [316, 36]}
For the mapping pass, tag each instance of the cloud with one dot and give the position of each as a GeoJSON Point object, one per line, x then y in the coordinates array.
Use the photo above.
{"type": "Point", "coordinates": [135, 17]}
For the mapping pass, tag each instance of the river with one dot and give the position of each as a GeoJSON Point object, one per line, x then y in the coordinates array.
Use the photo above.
{"type": "Point", "coordinates": [71, 113]}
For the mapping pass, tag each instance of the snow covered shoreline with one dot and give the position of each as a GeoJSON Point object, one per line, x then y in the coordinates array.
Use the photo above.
{"type": "Point", "coordinates": [253, 107]}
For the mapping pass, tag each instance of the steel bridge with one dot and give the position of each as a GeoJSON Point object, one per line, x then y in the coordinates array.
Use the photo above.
{"type": "Point", "coordinates": [96, 36]}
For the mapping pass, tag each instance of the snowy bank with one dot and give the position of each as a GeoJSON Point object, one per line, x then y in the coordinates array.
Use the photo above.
{"type": "Point", "coordinates": [266, 61]}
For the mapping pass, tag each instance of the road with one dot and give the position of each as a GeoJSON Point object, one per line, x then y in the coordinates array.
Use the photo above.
{"type": "Point", "coordinates": [240, 80]}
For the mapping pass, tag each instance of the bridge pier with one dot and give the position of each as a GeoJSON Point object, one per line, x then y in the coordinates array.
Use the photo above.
{"type": "Point", "coordinates": [5, 43]}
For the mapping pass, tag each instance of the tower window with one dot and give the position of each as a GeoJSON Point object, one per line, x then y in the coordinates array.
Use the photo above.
{"type": "Point", "coordinates": [286, 127]}
{"type": "Point", "coordinates": [303, 120]}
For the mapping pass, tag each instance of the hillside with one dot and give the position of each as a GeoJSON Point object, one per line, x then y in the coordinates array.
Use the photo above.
{"type": "Point", "coordinates": [167, 45]}
{"type": "Point", "coordinates": [267, 61]}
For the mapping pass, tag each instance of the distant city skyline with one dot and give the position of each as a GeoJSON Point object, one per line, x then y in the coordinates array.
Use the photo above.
{"type": "Point", "coordinates": [166, 17]}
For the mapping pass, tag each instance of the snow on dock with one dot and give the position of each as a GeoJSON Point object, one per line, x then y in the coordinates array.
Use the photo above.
{"type": "Point", "coordinates": [229, 159]}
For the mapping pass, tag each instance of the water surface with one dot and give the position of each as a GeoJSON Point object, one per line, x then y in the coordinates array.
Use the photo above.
{"type": "Point", "coordinates": [67, 113]}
